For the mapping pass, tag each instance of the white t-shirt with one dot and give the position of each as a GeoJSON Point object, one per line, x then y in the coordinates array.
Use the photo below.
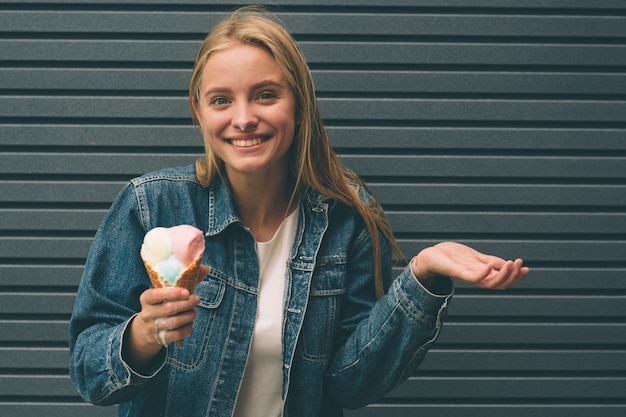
{"type": "Point", "coordinates": [261, 389]}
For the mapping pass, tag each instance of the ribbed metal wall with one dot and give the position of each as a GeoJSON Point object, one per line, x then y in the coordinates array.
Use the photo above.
{"type": "Point", "coordinates": [501, 124]}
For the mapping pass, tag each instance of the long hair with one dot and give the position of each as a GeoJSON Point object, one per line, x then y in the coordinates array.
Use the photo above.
{"type": "Point", "coordinates": [313, 164]}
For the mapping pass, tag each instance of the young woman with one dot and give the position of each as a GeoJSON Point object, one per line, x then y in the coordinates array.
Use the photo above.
{"type": "Point", "coordinates": [296, 313]}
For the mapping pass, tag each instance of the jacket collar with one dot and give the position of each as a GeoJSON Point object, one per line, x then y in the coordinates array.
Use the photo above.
{"type": "Point", "coordinates": [222, 211]}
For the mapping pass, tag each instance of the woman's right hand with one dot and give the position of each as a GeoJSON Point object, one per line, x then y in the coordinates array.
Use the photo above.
{"type": "Point", "coordinates": [166, 316]}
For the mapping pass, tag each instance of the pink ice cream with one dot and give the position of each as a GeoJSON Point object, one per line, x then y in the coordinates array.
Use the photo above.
{"type": "Point", "coordinates": [187, 243]}
{"type": "Point", "coordinates": [171, 250]}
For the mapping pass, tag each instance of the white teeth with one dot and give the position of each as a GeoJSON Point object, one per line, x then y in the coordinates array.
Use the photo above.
{"type": "Point", "coordinates": [244, 143]}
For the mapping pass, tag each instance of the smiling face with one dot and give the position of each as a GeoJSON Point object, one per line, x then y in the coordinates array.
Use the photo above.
{"type": "Point", "coordinates": [246, 111]}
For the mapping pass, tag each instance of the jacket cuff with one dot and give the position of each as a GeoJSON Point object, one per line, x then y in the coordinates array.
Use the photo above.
{"type": "Point", "coordinates": [419, 300]}
{"type": "Point", "coordinates": [119, 370]}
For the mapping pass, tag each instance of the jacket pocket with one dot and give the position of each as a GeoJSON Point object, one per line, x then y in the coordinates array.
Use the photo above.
{"type": "Point", "coordinates": [322, 312]}
{"type": "Point", "coordinates": [194, 348]}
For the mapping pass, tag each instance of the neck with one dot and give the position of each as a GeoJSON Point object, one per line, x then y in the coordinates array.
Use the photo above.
{"type": "Point", "coordinates": [263, 204]}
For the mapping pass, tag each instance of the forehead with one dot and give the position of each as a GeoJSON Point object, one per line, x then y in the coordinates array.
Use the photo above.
{"type": "Point", "coordinates": [241, 64]}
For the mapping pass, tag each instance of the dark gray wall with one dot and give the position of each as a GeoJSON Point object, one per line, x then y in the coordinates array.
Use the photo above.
{"type": "Point", "coordinates": [496, 123]}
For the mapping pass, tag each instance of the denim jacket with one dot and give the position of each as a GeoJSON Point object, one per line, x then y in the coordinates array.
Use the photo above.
{"type": "Point", "coordinates": [342, 348]}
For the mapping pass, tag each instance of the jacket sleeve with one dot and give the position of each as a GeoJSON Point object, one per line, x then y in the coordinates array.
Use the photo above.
{"type": "Point", "coordinates": [107, 300]}
{"type": "Point", "coordinates": [382, 341]}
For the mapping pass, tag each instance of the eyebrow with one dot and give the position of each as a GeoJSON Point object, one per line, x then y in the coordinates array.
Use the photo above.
{"type": "Point", "coordinates": [257, 86]}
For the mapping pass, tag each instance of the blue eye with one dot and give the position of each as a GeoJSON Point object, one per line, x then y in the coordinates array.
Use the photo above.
{"type": "Point", "coordinates": [267, 95]}
{"type": "Point", "coordinates": [220, 101]}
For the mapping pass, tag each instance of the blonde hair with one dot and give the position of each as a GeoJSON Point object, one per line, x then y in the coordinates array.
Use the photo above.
{"type": "Point", "coordinates": [313, 163]}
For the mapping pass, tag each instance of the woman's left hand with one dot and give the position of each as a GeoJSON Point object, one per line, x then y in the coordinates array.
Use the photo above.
{"type": "Point", "coordinates": [465, 264]}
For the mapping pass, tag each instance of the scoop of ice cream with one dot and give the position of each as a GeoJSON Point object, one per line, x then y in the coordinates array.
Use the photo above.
{"type": "Point", "coordinates": [171, 250]}
{"type": "Point", "coordinates": [157, 245]}
{"type": "Point", "coordinates": [187, 242]}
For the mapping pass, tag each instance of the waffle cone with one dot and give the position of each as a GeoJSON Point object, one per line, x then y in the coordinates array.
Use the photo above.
{"type": "Point", "coordinates": [187, 279]}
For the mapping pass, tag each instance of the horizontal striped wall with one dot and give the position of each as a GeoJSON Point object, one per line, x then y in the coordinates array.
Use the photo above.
{"type": "Point", "coordinates": [500, 124]}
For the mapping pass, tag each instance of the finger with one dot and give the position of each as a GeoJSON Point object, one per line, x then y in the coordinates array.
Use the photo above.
{"type": "Point", "coordinates": [160, 331]}
{"type": "Point", "coordinates": [166, 336]}
{"type": "Point", "coordinates": [174, 322]}
{"type": "Point", "coordinates": [512, 274]}
{"type": "Point", "coordinates": [167, 330]}
{"type": "Point", "coordinates": [168, 316]}
{"type": "Point", "coordinates": [161, 337]}
{"type": "Point", "coordinates": [202, 273]}
{"type": "Point", "coordinates": [496, 261]}
{"type": "Point", "coordinates": [498, 278]}
{"type": "Point", "coordinates": [155, 296]}
{"type": "Point", "coordinates": [521, 271]}
{"type": "Point", "coordinates": [178, 334]}
{"type": "Point", "coordinates": [160, 324]}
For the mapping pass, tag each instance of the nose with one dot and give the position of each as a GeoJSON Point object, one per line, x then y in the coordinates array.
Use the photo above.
{"type": "Point", "coordinates": [244, 118]}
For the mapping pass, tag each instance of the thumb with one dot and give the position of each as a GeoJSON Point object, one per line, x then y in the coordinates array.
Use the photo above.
{"type": "Point", "coordinates": [202, 273]}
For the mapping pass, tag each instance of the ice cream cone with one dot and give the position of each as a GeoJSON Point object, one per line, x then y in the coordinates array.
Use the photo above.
{"type": "Point", "coordinates": [187, 279]}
